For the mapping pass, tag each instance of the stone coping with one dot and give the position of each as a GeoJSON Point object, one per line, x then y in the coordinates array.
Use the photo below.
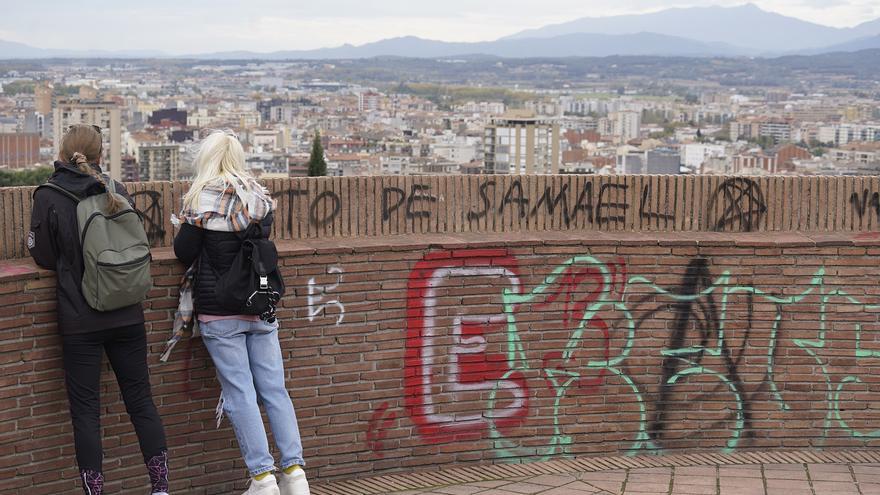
{"type": "Point", "coordinates": [26, 269]}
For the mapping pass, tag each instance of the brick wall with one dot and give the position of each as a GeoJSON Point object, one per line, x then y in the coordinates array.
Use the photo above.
{"type": "Point", "coordinates": [419, 352]}
{"type": "Point", "coordinates": [378, 206]}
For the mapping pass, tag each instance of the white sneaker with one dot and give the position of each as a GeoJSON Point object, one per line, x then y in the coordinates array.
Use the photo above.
{"type": "Point", "coordinates": [294, 483]}
{"type": "Point", "coordinates": [266, 486]}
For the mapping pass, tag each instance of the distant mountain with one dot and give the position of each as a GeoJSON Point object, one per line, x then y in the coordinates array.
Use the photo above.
{"type": "Point", "coordinates": [867, 43]}
{"type": "Point", "coordinates": [574, 45]}
{"type": "Point", "coordinates": [869, 28]}
{"type": "Point", "coordinates": [13, 50]}
{"type": "Point", "coordinates": [745, 26]}
{"type": "Point", "coordinates": [697, 31]}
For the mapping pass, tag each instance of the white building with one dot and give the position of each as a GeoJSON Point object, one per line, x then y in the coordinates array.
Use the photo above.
{"type": "Point", "coordinates": [264, 139]}
{"type": "Point", "coordinates": [695, 155]}
{"type": "Point", "coordinates": [626, 125]}
{"type": "Point", "coordinates": [841, 134]}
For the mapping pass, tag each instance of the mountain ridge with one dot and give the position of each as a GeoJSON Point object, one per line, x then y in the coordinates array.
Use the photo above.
{"type": "Point", "coordinates": [693, 31]}
{"type": "Point", "coordinates": [746, 25]}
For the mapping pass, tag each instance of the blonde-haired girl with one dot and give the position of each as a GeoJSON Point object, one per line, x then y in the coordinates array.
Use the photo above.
{"type": "Point", "coordinates": [219, 212]}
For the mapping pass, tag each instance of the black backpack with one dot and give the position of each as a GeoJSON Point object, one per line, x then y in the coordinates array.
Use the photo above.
{"type": "Point", "coordinates": [252, 285]}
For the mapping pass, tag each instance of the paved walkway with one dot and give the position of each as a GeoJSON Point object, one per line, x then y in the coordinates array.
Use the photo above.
{"type": "Point", "coordinates": [856, 473]}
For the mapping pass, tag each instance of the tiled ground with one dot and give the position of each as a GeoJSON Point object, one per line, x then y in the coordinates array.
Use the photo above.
{"type": "Point", "coordinates": [749, 479]}
{"type": "Point", "coordinates": [790, 473]}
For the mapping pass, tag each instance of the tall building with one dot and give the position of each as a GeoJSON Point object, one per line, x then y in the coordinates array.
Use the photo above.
{"type": "Point", "coordinates": [369, 101]}
{"type": "Point", "coordinates": [43, 98]}
{"type": "Point", "coordinates": [18, 150]}
{"type": "Point", "coordinates": [104, 114]}
{"type": "Point", "coordinates": [779, 131]}
{"type": "Point", "coordinates": [158, 162]}
{"type": "Point", "coordinates": [518, 142]}
{"type": "Point", "coordinates": [626, 125]}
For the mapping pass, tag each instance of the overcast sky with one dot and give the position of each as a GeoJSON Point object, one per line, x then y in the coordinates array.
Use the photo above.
{"type": "Point", "coordinates": [199, 26]}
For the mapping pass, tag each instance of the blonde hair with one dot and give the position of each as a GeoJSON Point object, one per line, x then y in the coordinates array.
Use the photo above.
{"type": "Point", "coordinates": [220, 158]}
{"type": "Point", "coordinates": [81, 146]}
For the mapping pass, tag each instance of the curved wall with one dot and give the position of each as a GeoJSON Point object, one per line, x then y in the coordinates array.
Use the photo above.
{"type": "Point", "coordinates": [420, 352]}
{"type": "Point", "coordinates": [358, 207]}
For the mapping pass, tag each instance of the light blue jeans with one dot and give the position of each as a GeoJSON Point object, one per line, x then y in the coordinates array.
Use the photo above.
{"type": "Point", "coordinates": [247, 356]}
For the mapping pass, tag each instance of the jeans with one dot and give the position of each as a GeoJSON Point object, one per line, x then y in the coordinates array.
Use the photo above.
{"type": "Point", "coordinates": [247, 356]}
{"type": "Point", "coordinates": [126, 349]}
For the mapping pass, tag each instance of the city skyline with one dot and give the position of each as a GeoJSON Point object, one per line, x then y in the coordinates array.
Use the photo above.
{"type": "Point", "coordinates": [267, 25]}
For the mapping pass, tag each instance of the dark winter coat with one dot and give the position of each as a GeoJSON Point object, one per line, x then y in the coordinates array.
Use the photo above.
{"type": "Point", "coordinates": [214, 251]}
{"type": "Point", "coordinates": [53, 242]}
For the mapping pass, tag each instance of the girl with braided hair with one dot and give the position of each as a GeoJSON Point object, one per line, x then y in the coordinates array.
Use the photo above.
{"type": "Point", "coordinates": [86, 333]}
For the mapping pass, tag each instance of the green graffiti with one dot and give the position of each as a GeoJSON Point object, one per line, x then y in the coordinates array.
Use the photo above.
{"type": "Point", "coordinates": [702, 370]}
{"type": "Point", "coordinates": [561, 381]}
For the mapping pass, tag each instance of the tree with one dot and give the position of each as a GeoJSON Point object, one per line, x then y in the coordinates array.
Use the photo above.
{"type": "Point", "coordinates": [28, 177]}
{"type": "Point", "coordinates": [317, 165]}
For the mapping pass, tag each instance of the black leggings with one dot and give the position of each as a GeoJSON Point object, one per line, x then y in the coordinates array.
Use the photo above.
{"type": "Point", "coordinates": [126, 349]}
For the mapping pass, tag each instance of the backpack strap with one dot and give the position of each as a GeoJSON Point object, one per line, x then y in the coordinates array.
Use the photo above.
{"type": "Point", "coordinates": [110, 183]}
{"type": "Point", "coordinates": [60, 189]}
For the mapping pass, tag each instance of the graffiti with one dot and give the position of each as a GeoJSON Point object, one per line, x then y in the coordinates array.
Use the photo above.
{"type": "Point", "coordinates": [551, 203]}
{"type": "Point", "coordinates": [418, 193]}
{"type": "Point", "coordinates": [861, 202]}
{"type": "Point", "coordinates": [717, 352]}
{"type": "Point", "coordinates": [315, 217]}
{"type": "Point", "coordinates": [471, 367]}
{"type": "Point", "coordinates": [742, 203]}
{"type": "Point", "coordinates": [321, 208]}
{"type": "Point", "coordinates": [330, 215]}
{"type": "Point", "coordinates": [520, 200]}
{"type": "Point", "coordinates": [380, 422]}
{"type": "Point", "coordinates": [153, 216]}
{"type": "Point", "coordinates": [615, 211]}
{"type": "Point", "coordinates": [645, 212]}
{"type": "Point", "coordinates": [317, 305]}
{"type": "Point", "coordinates": [291, 212]}
{"type": "Point", "coordinates": [606, 209]}
{"type": "Point", "coordinates": [680, 360]}
{"type": "Point", "coordinates": [484, 198]}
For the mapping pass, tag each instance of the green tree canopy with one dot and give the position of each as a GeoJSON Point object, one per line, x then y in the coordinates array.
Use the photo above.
{"type": "Point", "coordinates": [29, 177]}
{"type": "Point", "coordinates": [317, 164]}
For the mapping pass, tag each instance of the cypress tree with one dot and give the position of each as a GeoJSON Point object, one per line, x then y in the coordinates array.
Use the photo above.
{"type": "Point", "coordinates": [317, 165]}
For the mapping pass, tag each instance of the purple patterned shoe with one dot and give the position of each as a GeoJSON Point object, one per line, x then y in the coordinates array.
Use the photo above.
{"type": "Point", "coordinates": [93, 481]}
{"type": "Point", "coordinates": [157, 467]}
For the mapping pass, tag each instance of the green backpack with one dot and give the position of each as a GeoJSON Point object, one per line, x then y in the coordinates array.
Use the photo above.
{"type": "Point", "coordinates": [116, 252]}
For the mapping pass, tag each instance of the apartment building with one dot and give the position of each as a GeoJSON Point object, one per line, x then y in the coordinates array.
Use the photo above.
{"type": "Point", "coordinates": [519, 142]}
{"type": "Point", "coordinates": [105, 114]}
{"type": "Point", "coordinates": [159, 161]}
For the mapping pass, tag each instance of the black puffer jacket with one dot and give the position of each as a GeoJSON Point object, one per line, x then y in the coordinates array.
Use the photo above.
{"type": "Point", "coordinates": [54, 244]}
{"type": "Point", "coordinates": [214, 251]}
